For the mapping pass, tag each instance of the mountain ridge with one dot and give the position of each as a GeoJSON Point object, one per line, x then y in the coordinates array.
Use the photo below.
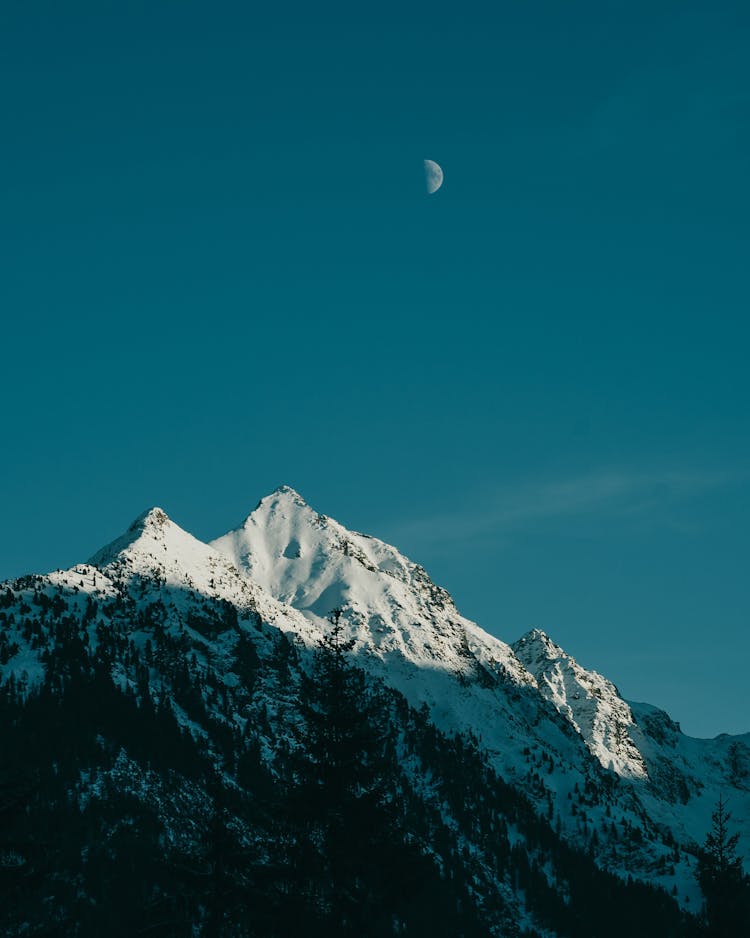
{"type": "Point", "coordinates": [559, 732]}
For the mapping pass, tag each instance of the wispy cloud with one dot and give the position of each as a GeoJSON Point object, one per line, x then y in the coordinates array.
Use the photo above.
{"type": "Point", "coordinates": [658, 110]}
{"type": "Point", "coordinates": [602, 493]}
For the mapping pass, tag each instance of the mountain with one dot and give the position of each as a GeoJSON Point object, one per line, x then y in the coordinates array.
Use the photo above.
{"type": "Point", "coordinates": [408, 632]}
{"type": "Point", "coordinates": [170, 685]}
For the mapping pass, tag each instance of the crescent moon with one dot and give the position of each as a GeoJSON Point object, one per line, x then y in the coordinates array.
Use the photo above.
{"type": "Point", "coordinates": [433, 176]}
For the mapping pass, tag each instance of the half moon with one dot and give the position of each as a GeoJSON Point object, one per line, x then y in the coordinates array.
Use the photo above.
{"type": "Point", "coordinates": [433, 176]}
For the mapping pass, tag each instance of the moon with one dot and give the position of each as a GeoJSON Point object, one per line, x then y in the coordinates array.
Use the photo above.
{"type": "Point", "coordinates": [433, 176]}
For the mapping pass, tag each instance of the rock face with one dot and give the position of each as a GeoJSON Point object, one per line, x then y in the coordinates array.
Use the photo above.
{"type": "Point", "coordinates": [615, 778]}
{"type": "Point", "coordinates": [589, 701]}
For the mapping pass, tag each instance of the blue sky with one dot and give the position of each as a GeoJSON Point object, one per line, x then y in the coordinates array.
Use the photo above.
{"type": "Point", "coordinates": [221, 272]}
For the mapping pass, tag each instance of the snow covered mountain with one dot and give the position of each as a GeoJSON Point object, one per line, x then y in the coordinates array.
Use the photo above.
{"type": "Point", "coordinates": [405, 628]}
{"type": "Point", "coordinates": [677, 779]}
{"type": "Point", "coordinates": [155, 548]}
{"type": "Point", "coordinates": [617, 779]}
{"type": "Point", "coordinates": [589, 701]}
{"type": "Point", "coordinates": [408, 631]}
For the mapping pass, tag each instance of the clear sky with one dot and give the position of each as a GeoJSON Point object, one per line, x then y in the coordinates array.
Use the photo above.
{"type": "Point", "coordinates": [221, 272]}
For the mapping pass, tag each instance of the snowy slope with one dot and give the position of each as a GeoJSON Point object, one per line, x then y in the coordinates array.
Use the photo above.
{"type": "Point", "coordinates": [591, 703]}
{"type": "Point", "coordinates": [406, 629]}
{"type": "Point", "coordinates": [155, 547]}
{"type": "Point", "coordinates": [678, 779]}
{"type": "Point", "coordinates": [312, 563]}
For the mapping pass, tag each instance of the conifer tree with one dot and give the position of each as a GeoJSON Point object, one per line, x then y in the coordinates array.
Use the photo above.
{"type": "Point", "coordinates": [361, 870]}
{"type": "Point", "coordinates": [726, 889]}
{"type": "Point", "coordinates": [338, 793]}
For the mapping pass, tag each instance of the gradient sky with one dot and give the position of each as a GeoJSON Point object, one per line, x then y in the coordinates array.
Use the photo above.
{"type": "Point", "coordinates": [221, 272]}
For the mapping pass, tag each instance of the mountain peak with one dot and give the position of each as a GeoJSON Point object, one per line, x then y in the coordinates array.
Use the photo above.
{"type": "Point", "coordinates": [151, 527]}
{"type": "Point", "coordinates": [539, 641]}
{"type": "Point", "coordinates": [288, 490]}
{"type": "Point", "coordinates": [284, 498]}
{"type": "Point", "coordinates": [152, 517]}
{"type": "Point", "coordinates": [590, 702]}
{"type": "Point", "coordinates": [536, 635]}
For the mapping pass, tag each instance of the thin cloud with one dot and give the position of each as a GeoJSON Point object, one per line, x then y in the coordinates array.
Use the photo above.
{"type": "Point", "coordinates": [660, 113]}
{"type": "Point", "coordinates": [605, 492]}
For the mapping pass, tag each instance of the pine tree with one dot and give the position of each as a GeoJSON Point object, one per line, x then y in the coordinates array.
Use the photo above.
{"type": "Point", "coordinates": [725, 887]}
{"type": "Point", "coordinates": [357, 863]}
{"type": "Point", "coordinates": [341, 737]}
{"type": "Point", "coordinates": [336, 795]}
